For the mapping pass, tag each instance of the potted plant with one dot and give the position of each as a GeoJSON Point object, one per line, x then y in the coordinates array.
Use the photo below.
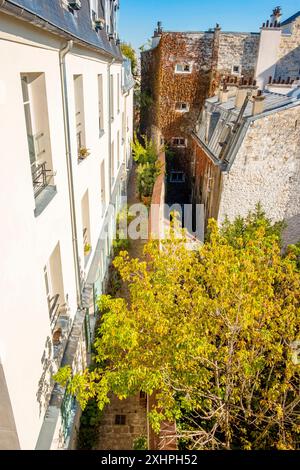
{"type": "Point", "coordinates": [83, 153]}
{"type": "Point", "coordinates": [147, 175]}
{"type": "Point", "coordinates": [87, 249]}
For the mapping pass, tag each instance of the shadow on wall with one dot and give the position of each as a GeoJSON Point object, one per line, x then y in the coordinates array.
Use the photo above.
{"type": "Point", "coordinates": [289, 65]}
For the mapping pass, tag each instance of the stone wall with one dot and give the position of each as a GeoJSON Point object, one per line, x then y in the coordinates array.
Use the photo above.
{"type": "Point", "coordinates": [289, 54]}
{"type": "Point", "coordinates": [114, 436]}
{"type": "Point", "coordinates": [238, 49]}
{"type": "Point", "coordinates": [267, 170]}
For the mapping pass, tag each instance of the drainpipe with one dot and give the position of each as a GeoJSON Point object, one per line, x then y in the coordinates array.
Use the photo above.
{"type": "Point", "coordinates": [109, 123]}
{"type": "Point", "coordinates": [64, 88]}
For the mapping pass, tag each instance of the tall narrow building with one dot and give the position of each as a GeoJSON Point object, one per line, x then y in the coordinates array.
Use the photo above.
{"type": "Point", "coordinates": [66, 107]}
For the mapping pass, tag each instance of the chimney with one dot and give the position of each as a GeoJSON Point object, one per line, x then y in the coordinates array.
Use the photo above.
{"type": "Point", "coordinates": [223, 94]}
{"type": "Point", "coordinates": [276, 16]}
{"type": "Point", "coordinates": [241, 96]}
{"type": "Point", "coordinates": [258, 104]}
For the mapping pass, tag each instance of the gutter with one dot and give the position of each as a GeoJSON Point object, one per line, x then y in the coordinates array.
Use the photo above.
{"type": "Point", "coordinates": [64, 89]}
{"type": "Point", "coordinates": [20, 13]}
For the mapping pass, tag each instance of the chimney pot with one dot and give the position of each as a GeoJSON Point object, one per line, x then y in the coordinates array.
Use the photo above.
{"type": "Point", "coordinates": [223, 94]}
{"type": "Point", "coordinates": [258, 103]}
{"type": "Point", "coordinates": [240, 97]}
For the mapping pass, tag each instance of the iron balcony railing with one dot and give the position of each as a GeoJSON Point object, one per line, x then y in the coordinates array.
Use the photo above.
{"type": "Point", "coordinates": [54, 308]}
{"type": "Point", "coordinates": [41, 177]}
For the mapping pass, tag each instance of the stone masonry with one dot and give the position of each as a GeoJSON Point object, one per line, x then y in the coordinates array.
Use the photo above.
{"type": "Point", "coordinates": [267, 170]}
{"type": "Point", "coordinates": [288, 65]}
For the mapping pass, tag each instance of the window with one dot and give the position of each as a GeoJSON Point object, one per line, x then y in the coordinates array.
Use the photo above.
{"type": "Point", "coordinates": [94, 9]}
{"type": "Point", "coordinates": [118, 92]}
{"type": "Point", "coordinates": [183, 68]}
{"type": "Point", "coordinates": [120, 420]}
{"type": "Point", "coordinates": [118, 149]}
{"type": "Point", "coordinates": [236, 70]}
{"type": "Point", "coordinates": [79, 116]}
{"type": "Point", "coordinates": [102, 188]}
{"type": "Point", "coordinates": [182, 107]}
{"type": "Point", "coordinates": [100, 104]}
{"type": "Point", "coordinates": [86, 230]}
{"type": "Point", "coordinates": [111, 97]}
{"type": "Point", "coordinates": [37, 129]}
{"type": "Point", "coordinates": [112, 164]}
{"type": "Point", "coordinates": [177, 177]}
{"type": "Point", "coordinates": [178, 142]}
{"type": "Point", "coordinates": [54, 286]}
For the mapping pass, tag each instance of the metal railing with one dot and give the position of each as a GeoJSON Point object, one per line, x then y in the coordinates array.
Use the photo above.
{"type": "Point", "coordinates": [54, 307]}
{"type": "Point", "coordinates": [41, 177]}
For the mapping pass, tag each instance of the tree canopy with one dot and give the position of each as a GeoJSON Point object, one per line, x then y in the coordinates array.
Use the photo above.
{"type": "Point", "coordinates": [210, 332]}
{"type": "Point", "coordinates": [128, 51]}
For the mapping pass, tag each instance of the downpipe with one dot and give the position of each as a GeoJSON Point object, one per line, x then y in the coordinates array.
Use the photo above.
{"type": "Point", "coordinates": [64, 87]}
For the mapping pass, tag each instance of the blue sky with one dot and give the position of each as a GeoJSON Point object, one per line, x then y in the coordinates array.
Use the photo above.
{"type": "Point", "coordinates": [139, 17]}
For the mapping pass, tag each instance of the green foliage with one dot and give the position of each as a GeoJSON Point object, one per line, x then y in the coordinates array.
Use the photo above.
{"type": "Point", "coordinates": [143, 150]}
{"type": "Point", "coordinates": [145, 154]}
{"type": "Point", "coordinates": [89, 426]}
{"type": "Point", "coordinates": [146, 46]}
{"type": "Point", "coordinates": [128, 51]}
{"type": "Point", "coordinates": [143, 99]}
{"type": "Point", "coordinates": [210, 332]}
{"type": "Point", "coordinates": [146, 177]}
{"type": "Point", "coordinates": [63, 376]}
{"type": "Point", "coordinates": [140, 443]}
{"type": "Point", "coordinates": [242, 230]}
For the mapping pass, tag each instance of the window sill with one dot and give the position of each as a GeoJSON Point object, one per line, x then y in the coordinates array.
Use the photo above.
{"type": "Point", "coordinates": [44, 199]}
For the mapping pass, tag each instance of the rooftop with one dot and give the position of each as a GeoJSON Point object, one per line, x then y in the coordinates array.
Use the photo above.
{"type": "Point", "coordinates": [223, 119]}
{"type": "Point", "coordinates": [273, 102]}
{"type": "Point", "coordinates": [63, 21]}
{"type": "Point", "coordinates": [290, 19]}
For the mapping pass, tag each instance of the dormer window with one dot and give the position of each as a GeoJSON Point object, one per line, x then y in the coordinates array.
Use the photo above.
{"type": "Point", "coordinates": [94, 10]}
{"type": "Point", "coordinates": [75, 4]}
{"type": "Point", "coordinates": [183, 68]}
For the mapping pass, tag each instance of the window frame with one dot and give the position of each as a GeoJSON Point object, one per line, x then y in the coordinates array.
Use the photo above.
{"type": "Point", "coordinates": [183, 65]}
{"type": "Point", "coordinates": [239, 67]}
{"type": "Point", "coordinates": [179, 145]}
{"type": "Point", "coordinates": [180, 109]}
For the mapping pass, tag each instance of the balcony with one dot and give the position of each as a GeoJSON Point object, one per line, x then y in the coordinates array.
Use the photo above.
{"type": "Point", "coordinates": [60, 323]}
{"type": "Point", "coordinates": [41, 178]}
{"type": "Point", "coordinates": [43, 190]}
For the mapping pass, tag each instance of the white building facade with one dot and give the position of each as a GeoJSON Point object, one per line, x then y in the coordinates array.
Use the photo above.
{"type": "Point", "coordinates": [66, 107]}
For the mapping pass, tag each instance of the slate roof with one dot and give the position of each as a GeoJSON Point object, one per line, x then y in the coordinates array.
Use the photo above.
{"type": "Point", "coordinates": [128, 80]}
{"type": "Point", "coordinates": [290, 19]}
{"type": "Point", "coordinates": [273, 102]}
{"type": "Point", "coordinates": [224, 118]}
{"type": "Point", "coordinates": [76, 24]}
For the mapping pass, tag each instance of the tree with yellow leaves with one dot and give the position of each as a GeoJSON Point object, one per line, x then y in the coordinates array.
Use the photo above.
{"type": "Point", "coordinates": [211, 333]}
